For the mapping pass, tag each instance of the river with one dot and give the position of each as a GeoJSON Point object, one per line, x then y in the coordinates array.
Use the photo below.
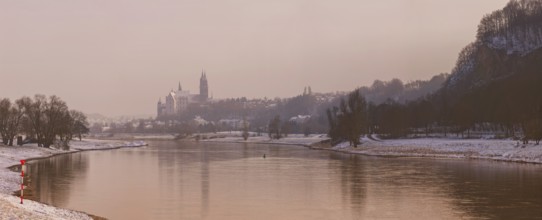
{"type": "Point", "coordinates": [188, 180]}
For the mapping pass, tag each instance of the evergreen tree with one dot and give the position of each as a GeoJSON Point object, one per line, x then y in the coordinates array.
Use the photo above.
{"type": "Point", "coordinates": [357, 117]}
{"type": "Point", "coordinates": [349, 121]}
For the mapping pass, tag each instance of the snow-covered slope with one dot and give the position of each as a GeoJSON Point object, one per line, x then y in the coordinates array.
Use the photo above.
{"type": "Point", "coordinates": [521, 41]}
{"type": "Point", "coordinates": [504, 39]}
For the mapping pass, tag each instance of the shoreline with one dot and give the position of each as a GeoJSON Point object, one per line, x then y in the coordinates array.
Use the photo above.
{"type": "Point", "coordinates": [467, 149]}
{"type": "Point", "coordinates": [292, 140]}
{"type": "Point", "coordinates": [10, 180]}
{"type": "Point", "coordinates": [503, 150]}
{"type": "Point", "coordinates": [435, 156]}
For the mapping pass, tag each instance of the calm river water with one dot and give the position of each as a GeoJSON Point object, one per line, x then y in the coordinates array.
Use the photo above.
{"type": "Point", "coordinates": [184, 180]}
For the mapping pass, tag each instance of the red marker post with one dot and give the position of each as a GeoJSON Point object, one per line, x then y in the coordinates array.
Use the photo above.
{"type": "Point", "coordinates": [23, 168]}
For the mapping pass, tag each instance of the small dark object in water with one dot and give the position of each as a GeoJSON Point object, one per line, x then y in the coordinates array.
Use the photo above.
{"type": "Point", "coordinates": [264, 156]}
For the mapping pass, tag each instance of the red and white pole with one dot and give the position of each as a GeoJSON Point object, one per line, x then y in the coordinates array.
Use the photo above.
{"type": "Point", "coordinates": [23, 168]}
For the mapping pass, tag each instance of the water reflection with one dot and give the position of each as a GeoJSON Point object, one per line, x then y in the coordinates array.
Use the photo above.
{"type": "Point", "coordinates": [176, 180]}
{"type": "Point", "coordinates": [204, 182]}
{"type": "Point", "coordinates": [496, 189]}
{"type": "Point", "coordinates": [52, 175]}
{"type": "Point", "coordinates": [353, 182]}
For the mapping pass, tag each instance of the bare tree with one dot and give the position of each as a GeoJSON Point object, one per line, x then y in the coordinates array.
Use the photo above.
{"type": "Point", "coordinates": [10, 117]}
{"type": "Point", "coordinates": [5, 106]}
{"type": "Point", "coordinates": [79, 123]}
{"type": "Point", "coordinates": [285, 128]}
{"type": "Point", "coordinates": [274, 128]}
{"type": "Point", "coordinates": [245, 129]}
{"type": "Point", "coordinates": [56, 117]}
{"type": "Point", "coordinates": [15, 115]}
{"type": "Point", "coordinates": [34, 112]}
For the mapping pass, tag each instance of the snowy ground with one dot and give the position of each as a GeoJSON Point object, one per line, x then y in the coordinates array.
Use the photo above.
{"type": "Point", "coordinates": [10, 181]}
{"type": "Point", "coordinates": [235, 137]}
{"type": "Point", "coordinates": [131, 136]}
{"type": "Point", "coordinates": [495, 149]}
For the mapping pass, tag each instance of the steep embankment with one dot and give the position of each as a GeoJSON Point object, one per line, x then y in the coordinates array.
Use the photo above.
{"type": "Point", "coordinates": [498, 78]}
{"type": "Point", "coordinates": [508, 43]}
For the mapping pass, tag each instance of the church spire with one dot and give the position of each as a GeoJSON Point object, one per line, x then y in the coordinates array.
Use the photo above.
{"type": "Point", "coordinates": [180, 88]}
{"type": "Point", "coordinates": [203, 87]}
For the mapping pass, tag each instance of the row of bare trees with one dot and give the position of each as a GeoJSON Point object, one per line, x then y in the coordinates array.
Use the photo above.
{"type": "Point", "coordinates": [45, 121]}
{"type": "Point", "coordinates": [505, 116]}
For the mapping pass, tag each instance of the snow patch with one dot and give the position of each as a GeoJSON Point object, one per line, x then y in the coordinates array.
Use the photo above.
{"type": "Point", "coordinates": [504, 150]}
{"type": "Point", "coordinates": [520, 41]}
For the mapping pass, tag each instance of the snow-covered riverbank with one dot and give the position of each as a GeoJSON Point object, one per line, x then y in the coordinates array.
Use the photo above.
{"type": "Point", "coordinates": [502, 150]}
{"type": "Point", "coordinates": [236, 137]}
{"type": "Point", "coordinates": [134, 136]}
{"type": "Point", "coordinates": [494, 149]}
{"type": "Point", "coordinates": [10, 181]}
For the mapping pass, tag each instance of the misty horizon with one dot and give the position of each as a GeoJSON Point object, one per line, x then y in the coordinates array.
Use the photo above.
{"type": "Point", "coordinates": [107, 58]}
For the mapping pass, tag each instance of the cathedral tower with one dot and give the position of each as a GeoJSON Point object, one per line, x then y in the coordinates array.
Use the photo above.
{"type": "Point", "coordinates": [203, 87]}
{"type": "Point", "coordinates": [159, 108]}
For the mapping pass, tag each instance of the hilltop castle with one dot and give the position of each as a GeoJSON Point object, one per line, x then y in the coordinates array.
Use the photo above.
{"type": "Point", "coordinates": [178, 101]}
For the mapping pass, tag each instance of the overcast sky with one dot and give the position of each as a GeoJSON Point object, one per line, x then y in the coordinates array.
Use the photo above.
{"type": "Point", "coordinates": [117, 57]}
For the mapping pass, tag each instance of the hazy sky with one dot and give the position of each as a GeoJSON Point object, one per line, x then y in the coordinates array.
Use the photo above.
{"type": "Point", "coordinates": [118, 57]}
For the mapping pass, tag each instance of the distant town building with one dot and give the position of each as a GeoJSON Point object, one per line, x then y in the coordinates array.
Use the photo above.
{"type": "Point", "coordinates": [300, 119]}
{"type": "Point", "coordinates": [203, 88]}
{"type": "Point", "coordinates": [177, 101]}
{"type": "Point", "coordinates": [198, 120]}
